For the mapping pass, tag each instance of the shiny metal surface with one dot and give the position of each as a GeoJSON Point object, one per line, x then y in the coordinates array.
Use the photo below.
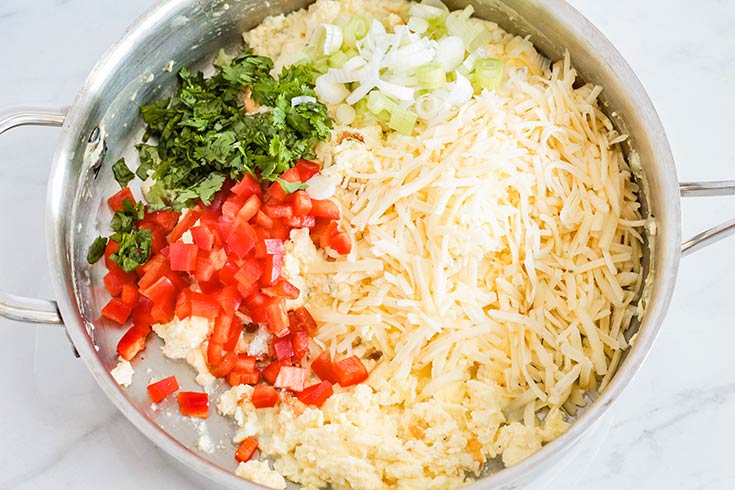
{"type": "Point", "coordinates": [103, 123]}
{"type": "Point", "coordinates": [716, 233]}
{"type": "Point", "coordinates": [17, 307]}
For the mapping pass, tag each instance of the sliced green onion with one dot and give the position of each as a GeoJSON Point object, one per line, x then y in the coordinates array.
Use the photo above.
{"type": "Point", "coordinates": [338, 59]}
{"type": "Point", "coordinates": [329, 91]}
{"type": "Point", "coordinates": [418, 25]}
{"type": "Point", "coordinates": [345, 114]}
{"type": "Point", "coordinates": [489, 73]}
{"type": "Point", "coordinates": [377, 102]}
{"type": "Point", "coordinates": [401, 120]}
{"type": "Point", "coordinates": [431, 76]}
{"type": "Point", "coordinates": [332, 38]}
{"type": "Point", "coordinates": [357, 28]}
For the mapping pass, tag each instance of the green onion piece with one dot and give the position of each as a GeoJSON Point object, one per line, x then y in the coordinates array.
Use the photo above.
{"type": "Point", "coordinates": [377, 102]}
{"type": "Point", "coordinates": [489, 73]}
{"type": "Point", "coordinates": [356, 29]}
{"type": "Point", "coordinates": [401, 120]}
{"type": "Point", "coordinates": [338, 59]}
{"type": "Point", "coordinates": [431, 76]}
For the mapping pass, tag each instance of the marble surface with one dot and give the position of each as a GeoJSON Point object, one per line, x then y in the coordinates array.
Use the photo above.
{"type": "Point", "coordinates": [673, 426]}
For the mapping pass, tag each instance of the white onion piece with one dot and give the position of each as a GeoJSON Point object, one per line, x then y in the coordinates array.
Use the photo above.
{"type": "Point", "coordinates": [332, 38]}
{"type": "Point", "coordinates": [428, 106]}
{"type": "Point", "coordinates": [362, 90]}
{"type": "Point", "coordinates": [461, 90]}
{"type": "Point", "coordinates": [302, 99]}
{"type": "Point", "coordinates": [438, 4]}
{"type": "Point", "coordinates": [340, 75]}
{"type": "Point", "coordinates": [329, 91]}
{"type": "Point", "coordinates": [450, 53]}
{"type": "Point", "coordinates": [408, 57]}
{"type": "Point", "coordinates": [354, 63]}
{"type": "Point", "coordinates": [425, 11]}
{"type": "Point", "coordinates": [397, 91]}
{"type": "Point", "coordinates": [418, 25]}
{"type": "Point", "coordinates": [345, 114]}
{"type": "Point", "coordinates": [321, 187]}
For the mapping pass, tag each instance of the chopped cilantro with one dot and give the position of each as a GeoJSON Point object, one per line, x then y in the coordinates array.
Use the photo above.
{"type": "Point", "coordinates": [203, 134]}
{"type": "Point", "coordinates": [291, 187]}
{"type": "Point", "coordinates": [122, 173]}
{"type": "Point", "coordinates": [97, 249]}
{"type": "Point", "coordinates": [135, 249]}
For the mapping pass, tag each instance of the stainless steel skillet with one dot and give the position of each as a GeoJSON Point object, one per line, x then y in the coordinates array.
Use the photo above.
{"type": "Point", "coordinates": [189, 32]}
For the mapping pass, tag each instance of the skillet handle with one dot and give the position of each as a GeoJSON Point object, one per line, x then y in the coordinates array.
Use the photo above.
{"type": "Point", "coordinates": [716, 233]}
{"type": "Point", "coordinates": [16, 307]}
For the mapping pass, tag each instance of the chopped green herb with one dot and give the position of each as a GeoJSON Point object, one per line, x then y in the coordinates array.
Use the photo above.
{"type": "Point", "coordinates": [204, 135]}
{"type": "Point", "coordinates": [123, 175]}
{"type": "Point", "coordinates": [135, 249]}
{"type": "Point", "coordinates": [123, 222]}
{"type": "Point", "coordinates": [97, 249]}
{"type": "Point", "coordinates": [291, 187]}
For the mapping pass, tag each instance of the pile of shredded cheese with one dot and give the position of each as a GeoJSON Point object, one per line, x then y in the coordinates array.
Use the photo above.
{"type": "Point", "coordinates": [495, 267]}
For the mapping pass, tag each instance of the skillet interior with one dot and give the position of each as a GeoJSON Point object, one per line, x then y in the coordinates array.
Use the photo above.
{"type": "Point", "coordinates": [104, 124]}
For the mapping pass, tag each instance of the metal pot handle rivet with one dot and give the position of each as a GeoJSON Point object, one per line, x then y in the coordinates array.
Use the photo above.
{"type": "Point", "coordinates": [16, 307]}
{"type": "Point", "coordinates": [716, 233]}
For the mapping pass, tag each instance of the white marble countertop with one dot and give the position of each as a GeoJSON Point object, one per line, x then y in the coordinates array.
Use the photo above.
{"type": "Point", "coordinates": [672, 428]}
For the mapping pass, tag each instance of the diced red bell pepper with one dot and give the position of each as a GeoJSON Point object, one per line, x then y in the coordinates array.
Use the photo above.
{"type": "Point", "coordinates": [152, 270]}
{"type": "Point", "coordinates": [204, 306]}
{"type": "Point", "coordinates": [183, 256]}
{"type": "Point", "coordinates": [115, 280]}
{"type": "Point", "coordinates": [215, 353]}
{"type": "Point", "coordinates": [227, 273]}
{"type": "Point", "coordinates": [237, 378]}
{"type": "Point", "coordinates": [246, 292]}
{"type": "Point", "coordinates": [242, 239]}
{"type": "Point", "coordinates": [341, 243]}
{"type": "Point", "coordinates": [249, 273]}
{"type": "Point", "coordinates": [301, 203]}
{"type": "Point", "coordinates": [117, 311]}
{"type": "Point", "coordinates": [270, 372]}
{"type": "Point", "coordinates": [194, 404]}
{"type": "Point", "coordinates": [279, 230]}
{"type": "Point", "coordinates": [183, 304]}
{"type": "Point", "coordinates": [116, 200]}
{"type": "Point", "coordinates": [264, 396]}
{"type": "Point", "coordinates": [324, 208]}
{"type": "Point", "coordinates": [307, 169]}
{"type": "Point", "coordinates": [225, 366]}
{"type": "Point", "coordinates": [283, 348]}
{"type": "Point", "coordinates": [291, 175]}
{"type": "Point", "coordinates": [277, 317]}
{"type": "Point", "coordinates": [282, 289]}
{"type": "Point", "coordinates": [350, 371]}
{"type": "Point", "coordinates": [229, 299]}
{"type": "Point", "coordinates": [205, 269]}
{"type": "Point", "coordinates": [316, 394]}
{"type": "Point", "coordinates": [263, 220]}
{"type": "Point", "coordinates": [186, 222]}
{"type": "Point", "coordinates": [163, 310]}
{"type": "Point", "coordinates": [161, 389]}
{"type": "Point", "coordinates": [111, 247]}
{"type": "Point", "coordinates": [248, 210]}
{"type": "Point", "coordinates": [300, 343]}
{"type": "Point", "coordinates": [246, 450]}
{"type": "Point", "coordinates": [275, 211]}
{"type": "Point", "coordinates": [275, 193]}
{"type": "Point", "coordinates": [133, 341]}
{"type": "Point", "coordinates": [231, 207]}
{"type": "Point", "coordinates": [256, 304]}
{"type": "Point", "coordinates": [291, 377]}
{"type": "Point", "coordinates": [300, 221]}
{"type": "Point", "coordinates": [129, 294]}
{"type": "Point", "coordinates": [225, 227]}
{"type": "Point", "coordinates": [161, 289]}
{"type": "Point", "coordinates": [142, 312]}
{"type": "Point", "coordinates": [247, 187]}
{"type": "Point", "coordinates": [221, 331]}
{"type": "Point", "coordinates": [235, 332]}
{"type": "Point", "coordinates": [272, 265]}
{"type": "Point", "coordinates": [202, 237]}
{"type": "Point", "coordinates": [245, 364]}
{"type": "Point", "coordinates": [165, 219]}
{"type": "Point", "coordinates": [323, 367]}
{"type": "Point", "coordinates": [305, 319]}
{"type": "Point", "coordinates": [216, 205]}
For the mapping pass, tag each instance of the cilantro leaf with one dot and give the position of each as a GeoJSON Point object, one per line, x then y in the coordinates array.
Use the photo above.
{"type": "Point", "coordinates": [97, 249]}
{"type": "Point", "coordinates": [291, 187]}
{"type": "Point", "coordinates": [134, 251]}
{"type": "Point", "coordinates": [123, 175]}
